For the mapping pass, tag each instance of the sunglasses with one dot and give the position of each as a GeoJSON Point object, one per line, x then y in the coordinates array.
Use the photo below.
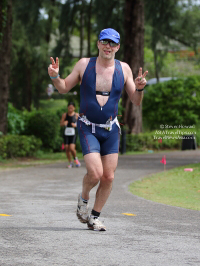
{"type": "Point", "coordinates": [111, 43]}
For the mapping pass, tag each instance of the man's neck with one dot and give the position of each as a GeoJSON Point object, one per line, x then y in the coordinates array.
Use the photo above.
{"type": "Point", "coordinates": [105, 62]}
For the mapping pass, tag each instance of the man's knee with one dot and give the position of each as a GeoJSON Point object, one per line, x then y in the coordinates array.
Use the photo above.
{"type": "Point", "coordinates": [107, 177]}
{"type": "Point", "coordinates": [95, 174]}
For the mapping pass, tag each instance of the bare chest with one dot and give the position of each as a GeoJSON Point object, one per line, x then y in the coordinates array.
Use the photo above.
{"type": "Point", "coordinates": [104, 78]}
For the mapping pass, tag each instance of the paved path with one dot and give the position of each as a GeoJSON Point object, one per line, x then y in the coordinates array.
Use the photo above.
{"type": "Point", "coordinates": [43, 229]}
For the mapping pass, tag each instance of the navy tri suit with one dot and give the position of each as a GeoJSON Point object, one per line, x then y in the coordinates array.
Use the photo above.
{"type": "Point", "coordinates": [102, 141]}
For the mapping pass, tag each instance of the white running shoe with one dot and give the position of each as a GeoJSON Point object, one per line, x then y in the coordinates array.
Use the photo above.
{"type": "Point", "coordinates": [95, 224]}
{"type": "Point", "coordinates": [82, 210]}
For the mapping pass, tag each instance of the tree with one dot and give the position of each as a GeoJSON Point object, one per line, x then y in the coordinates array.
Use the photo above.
{"type": "Point", "coordinates": [134, 56]}
{"type": "Point", "coordinates": [89, 28]}
{"type": "Point", "coordinates": [5, 55]}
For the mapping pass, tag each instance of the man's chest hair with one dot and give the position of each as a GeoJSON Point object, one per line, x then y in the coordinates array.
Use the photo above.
{"type": "Point", "coordinates": [104, 80]}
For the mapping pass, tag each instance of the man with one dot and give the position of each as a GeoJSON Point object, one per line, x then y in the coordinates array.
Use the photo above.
{"type": "Point", "coordinates": [68, 120]}
{"type": "Point", "coordinates": [102, 81]}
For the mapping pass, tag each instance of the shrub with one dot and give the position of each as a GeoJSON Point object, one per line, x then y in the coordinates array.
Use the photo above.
{"type": "Point", "coordinates": [46, 126]}
{"type": "Point", "coordinates": [176, 102]}
{"type": "Point", "coordinates": [18, 146]}
{"type": "Point", "coordinates": [15, 120]}
{"type": "Point", "coordinates": [171, 139]}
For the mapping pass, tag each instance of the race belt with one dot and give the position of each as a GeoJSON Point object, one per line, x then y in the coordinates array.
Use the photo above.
{"type": "Point", "coordinates": [108, 125]}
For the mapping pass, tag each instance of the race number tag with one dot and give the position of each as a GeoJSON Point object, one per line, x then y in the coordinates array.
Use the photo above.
{"type": "Point", "coordinates": [69, 131]}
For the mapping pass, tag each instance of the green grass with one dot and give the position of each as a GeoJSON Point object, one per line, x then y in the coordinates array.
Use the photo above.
{"type": "Point", "coordinates": [174, 187]}
{"type": "Point", "coordinates": [39, 159]}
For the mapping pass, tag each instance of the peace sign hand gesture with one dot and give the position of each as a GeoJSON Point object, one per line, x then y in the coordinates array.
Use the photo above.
{"type": "Point", "coordinates": [53, 69]}
{"type": "Point", "coordinates": [140, 81]}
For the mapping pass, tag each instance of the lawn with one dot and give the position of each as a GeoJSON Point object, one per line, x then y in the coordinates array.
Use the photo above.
{"type": "Point", "coordinates": [39, 159]}
{"type": "Point", "coordinates": [174, 187]}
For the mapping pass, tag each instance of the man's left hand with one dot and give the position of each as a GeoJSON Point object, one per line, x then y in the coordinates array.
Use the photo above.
{"type": "Point", "coordinates": [140, 81]}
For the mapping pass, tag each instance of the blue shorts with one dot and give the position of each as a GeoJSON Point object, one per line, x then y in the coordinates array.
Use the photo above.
{"type": "Point", "coordinates": [102, 141]}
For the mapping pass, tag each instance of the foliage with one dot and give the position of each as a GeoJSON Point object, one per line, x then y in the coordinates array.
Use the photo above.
{"type": "Point", "coordinates": [15, 120]}
{"type": "Point", "coordinates": [168, 68]}
{"type": "Point", "coordinates": [42, 28]}
{"type": "Point", "coordinates": [18, 146]}
{"type": "Point", "coordinates": [171, 139]}
{"type": "Point", "coordinates": [44, 125]}
{"type": "Point", "coordinates": [176, 102]}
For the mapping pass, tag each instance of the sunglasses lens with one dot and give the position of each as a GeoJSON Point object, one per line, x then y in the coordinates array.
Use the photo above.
{"type": "Point", "coordinates": [104, 42]}
{"type": "Point", "coordinates": [113, 44]}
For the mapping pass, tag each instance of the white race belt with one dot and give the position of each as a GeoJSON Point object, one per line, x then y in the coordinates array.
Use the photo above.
{"type": "Point", "coordinates": [69, 131]}
{"type": "Point", "coordinates": [107, 126]}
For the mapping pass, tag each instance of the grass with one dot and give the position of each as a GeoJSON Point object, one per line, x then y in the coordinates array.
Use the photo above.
{"type": "Point", "coordinates": [48, 158]}
{"type": "Point", "coordinates": [45, 158]}
{"type": "Point", "coordinates": [39, 159]}
{"type": "Point", "coordinates": [174, 187]}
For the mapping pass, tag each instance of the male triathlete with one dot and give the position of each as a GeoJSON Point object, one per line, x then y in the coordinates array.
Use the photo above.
{"type": "Point", "coordinates": [102, 81]}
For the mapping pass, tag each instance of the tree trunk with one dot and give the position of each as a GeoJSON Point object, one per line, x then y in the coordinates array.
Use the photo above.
{"type": "Point", "coordinates": [156, 64]}
{"type": "Point", "coordinates": [81, 28]}
{"type": "Point", "coordinates": [89, 28]}
{"type": "Point", "coordinates": [134, 56]}
{"type": "Point", "coordinates": [5, 54]}
{"type": "Point", "coordinates": [50, 20]}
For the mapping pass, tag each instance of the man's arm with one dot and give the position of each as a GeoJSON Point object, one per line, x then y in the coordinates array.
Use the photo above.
{"type": "Point", "coordinates": [130, 86]}
{"type": "Point", "coordinates": [65, 85]}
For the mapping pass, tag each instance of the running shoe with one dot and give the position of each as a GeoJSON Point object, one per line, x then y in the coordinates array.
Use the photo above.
{"type": "Point", "coordinates": [70, 165]}
{"type": "Point", "coordinates": [95, 224]}
{"type": "Point", "coordinates": [82, 210]}
{"type": "Point", "coordinates": [77, 163]}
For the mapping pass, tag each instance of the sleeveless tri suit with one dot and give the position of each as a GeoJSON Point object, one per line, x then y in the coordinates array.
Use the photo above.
{"type": "Point", "coordinates": [101, 140]}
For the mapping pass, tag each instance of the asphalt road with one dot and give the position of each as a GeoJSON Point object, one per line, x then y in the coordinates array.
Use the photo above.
{"type": "Point", "coordinates": [43, 230]}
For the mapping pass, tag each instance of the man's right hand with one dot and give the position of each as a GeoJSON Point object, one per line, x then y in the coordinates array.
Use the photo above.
{"type": "Point", "coordinates": [53, 69]}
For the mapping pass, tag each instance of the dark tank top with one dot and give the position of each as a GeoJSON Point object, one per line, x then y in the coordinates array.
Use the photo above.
{"type": "Point", "coordinates": [89, 105]}
{"type": "Point", "coordinates": [70, 119]}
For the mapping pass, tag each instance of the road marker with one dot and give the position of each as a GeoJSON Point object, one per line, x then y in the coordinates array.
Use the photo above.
{"type": "Point", "coordinates": [2, 214]}
{"type": "Point", "coordinates": [129, 214]}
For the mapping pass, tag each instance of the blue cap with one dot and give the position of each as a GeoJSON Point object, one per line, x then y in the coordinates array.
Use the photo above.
{"type": "Point", "coordinates": [110, 34]}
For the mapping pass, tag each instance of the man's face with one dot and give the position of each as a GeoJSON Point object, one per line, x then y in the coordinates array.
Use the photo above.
{"type": "Point", "coordinates": [106, 51]}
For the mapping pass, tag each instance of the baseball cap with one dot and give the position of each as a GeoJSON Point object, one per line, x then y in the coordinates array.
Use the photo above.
{"type": "Point", "coordinates": [110, 34]}
{"type": "Point", "coordinates": [71, 103]}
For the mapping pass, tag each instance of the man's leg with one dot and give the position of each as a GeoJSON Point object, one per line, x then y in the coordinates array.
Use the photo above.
{"type": "Point", "coordinates": [94, 173]}
{"type": "Point", "coordinates": [109, 165]}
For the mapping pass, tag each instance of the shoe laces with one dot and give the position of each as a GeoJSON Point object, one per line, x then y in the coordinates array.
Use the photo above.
{"type": "Point", "coordinates": [97, 222]}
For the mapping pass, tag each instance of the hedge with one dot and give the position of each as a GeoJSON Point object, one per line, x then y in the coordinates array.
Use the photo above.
{"type": "Point", "coordinates": [18, 146]}
{"type": "Point", "coordinates": [46, 126]}
{"type": "Point", "coordinates": [160, 139]}
{"type": "Point", "coordinates": [173, 103]}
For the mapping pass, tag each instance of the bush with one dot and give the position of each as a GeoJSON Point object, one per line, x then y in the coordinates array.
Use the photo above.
{"type": "Point", "coordinates": [171, 139]}
{"type": "Point", "coordinates": [15, 120]}
{"type": "Point", "coordinates": [18, 146]}
{"type": "Point", "coordinates": [46, 126]}
{"type": "Point", "coordinates": [176, 102]}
